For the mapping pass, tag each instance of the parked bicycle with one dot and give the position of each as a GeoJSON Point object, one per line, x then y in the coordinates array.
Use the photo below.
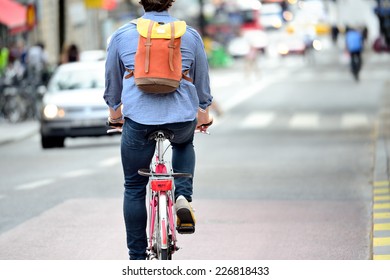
{"type": "Point", "coordinates": [20, 97]}
{"type": "Point", "coordinates": [11, 105]}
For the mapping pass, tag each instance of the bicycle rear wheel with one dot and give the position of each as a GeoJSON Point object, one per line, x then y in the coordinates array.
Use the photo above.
{"type": "Point", "coordinates": [162, 238]}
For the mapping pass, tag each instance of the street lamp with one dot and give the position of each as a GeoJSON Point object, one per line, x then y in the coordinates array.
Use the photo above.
{"type": "Point", "coordinates": [202, 21]}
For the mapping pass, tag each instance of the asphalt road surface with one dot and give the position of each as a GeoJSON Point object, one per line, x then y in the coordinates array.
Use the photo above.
{"type": "Point", "coordinates": [285, 174]}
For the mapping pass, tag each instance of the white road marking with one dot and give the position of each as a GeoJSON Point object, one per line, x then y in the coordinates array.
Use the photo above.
{"type": "Point", "coordinates": [304, 121]}
{"type": "Point", "coordinates": [250, 91]}
{"type": "Point", "coordinates": [354, 120]}
{"type": "Point", "coordinates": [78, 173]}
{"type": "Point", "coordinates": [70, 174]}
{"type": "Point", "coordinates": [258, 120]}
{"type": "Point", "coordinates": [110, 162]}
{"type": "Point", "coordinates": [35, 185]}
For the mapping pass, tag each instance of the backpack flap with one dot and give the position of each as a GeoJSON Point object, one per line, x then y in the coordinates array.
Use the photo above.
{"type": "Point", "coordinates": [160, 31]}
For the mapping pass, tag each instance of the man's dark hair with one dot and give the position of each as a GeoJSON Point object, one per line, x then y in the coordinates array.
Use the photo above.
{"type": "Point", "coordinates": [156, 5]}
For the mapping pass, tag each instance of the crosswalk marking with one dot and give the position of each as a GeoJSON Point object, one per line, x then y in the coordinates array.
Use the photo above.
{"type": "Point", "coordinates": [35, 184]}
{"type": "Point", "coordinates": [78, 173]}
{"type": "Point", "coordinates": [304, 120]}
{"type": "Point", "coordinates": [109, 162]}
{"type": "Point", "coordinates": [258, 120]}
{"type": "Point", "coordinates": [354, 120]}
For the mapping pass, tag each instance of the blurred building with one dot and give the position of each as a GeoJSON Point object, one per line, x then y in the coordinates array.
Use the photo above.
{"type": "Point", "coordinates": [88, 23]}
{"type": "Point", "coordinates": [57, 23]}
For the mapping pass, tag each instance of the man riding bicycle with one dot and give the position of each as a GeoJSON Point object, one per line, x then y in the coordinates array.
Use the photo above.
{"type": "Point", "coordinates": [354, 44]}
{"type": "Point", "coordinates": [140, 113]}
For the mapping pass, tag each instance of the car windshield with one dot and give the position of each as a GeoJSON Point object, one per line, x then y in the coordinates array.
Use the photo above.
{"type": "Point", "coordinates": [77, 78]}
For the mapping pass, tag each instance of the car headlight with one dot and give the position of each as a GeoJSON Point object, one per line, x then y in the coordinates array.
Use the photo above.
{"type": "Point", "coordinates": [50, 111]}
{"type": "Point", "coordinates": [277, 23]}
{"type": "Point", "coordinates": [283, 49]}
{"type": "Point", "coordinates": [317, 45]}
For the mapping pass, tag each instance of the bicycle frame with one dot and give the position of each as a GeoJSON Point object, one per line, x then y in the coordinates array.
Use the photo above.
{"type": "Point", "coordinates": [162, 234]}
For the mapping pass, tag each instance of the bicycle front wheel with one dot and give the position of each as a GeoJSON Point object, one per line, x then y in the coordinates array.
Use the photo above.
{"type": "Point", "coordinates": [164, 254]}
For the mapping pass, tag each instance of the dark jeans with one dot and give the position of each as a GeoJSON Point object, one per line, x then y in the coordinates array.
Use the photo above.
{"type": "Point", "coordinates": [137, 152]}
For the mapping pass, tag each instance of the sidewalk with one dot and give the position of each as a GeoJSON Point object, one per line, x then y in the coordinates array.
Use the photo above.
{"type": "Point", "coordinates": [381, 182]}
{"type": "Point", "coordinates": [18, 131]}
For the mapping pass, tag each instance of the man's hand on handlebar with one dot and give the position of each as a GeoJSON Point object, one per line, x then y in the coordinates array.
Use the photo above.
{"type": "Point", "coordinates": [115, 118]}
{"type": "Point", "coordinates": [114, 123]}
{"type": "Point", "coordinates": [204, 120]}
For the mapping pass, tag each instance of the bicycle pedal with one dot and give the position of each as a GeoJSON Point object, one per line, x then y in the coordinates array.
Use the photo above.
{"type": "Point", "coordinates": [151, 256]}
{"type": "Point", "coordinates": [185, 229]}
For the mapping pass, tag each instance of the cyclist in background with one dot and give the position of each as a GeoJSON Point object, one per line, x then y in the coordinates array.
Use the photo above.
{"type": "Point", "coordinates": [354, 43]}
{"type": "Point", "coordinates": [181, 112]}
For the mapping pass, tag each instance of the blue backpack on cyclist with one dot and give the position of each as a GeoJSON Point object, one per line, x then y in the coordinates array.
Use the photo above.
{"type": "Point", "coordinates": [354, 40]}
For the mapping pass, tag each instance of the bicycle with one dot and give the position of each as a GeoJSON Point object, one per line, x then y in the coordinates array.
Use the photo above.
{"type": "Point", "coordinates": [11, 104]}
{"type": "Point", "coordinates": [356, 64]}
{"type": "Point", "coordinates": [162, 227]}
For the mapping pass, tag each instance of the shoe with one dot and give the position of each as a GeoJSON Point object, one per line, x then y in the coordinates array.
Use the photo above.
{"type": "Point", "coordinates": [185, 216]}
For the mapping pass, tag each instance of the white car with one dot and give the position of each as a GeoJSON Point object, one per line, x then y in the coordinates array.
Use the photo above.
{"type": "Point", "coordinates": [271, 16]}
{"type": "Point", "coordinates": [240, 46]}
{"type": "Point", "coordinates": [73, 104]}
{"type": "Point", "coordinates": [93, 55]}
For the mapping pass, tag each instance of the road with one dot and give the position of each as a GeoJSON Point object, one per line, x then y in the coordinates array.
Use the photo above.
{"type": "Point", "coordinates": [285, 174]}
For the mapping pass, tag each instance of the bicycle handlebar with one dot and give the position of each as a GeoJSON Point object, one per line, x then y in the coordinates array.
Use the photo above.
{"type": "Point", "coordinates": [118, 129]}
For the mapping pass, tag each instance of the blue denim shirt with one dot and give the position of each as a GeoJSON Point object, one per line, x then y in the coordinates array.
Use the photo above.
{"type": "Point", "coordinates": [154, 109]}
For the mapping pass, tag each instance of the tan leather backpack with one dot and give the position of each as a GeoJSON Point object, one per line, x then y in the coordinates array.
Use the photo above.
{"type": "Point", "coordinates": [158, 60]}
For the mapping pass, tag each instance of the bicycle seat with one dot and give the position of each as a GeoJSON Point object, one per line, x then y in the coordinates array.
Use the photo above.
{"type": "Point", "coordinates": [165, 133]}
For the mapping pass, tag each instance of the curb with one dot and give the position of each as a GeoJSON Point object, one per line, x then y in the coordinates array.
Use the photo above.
{"type": "Point", "coordinates": [381, 185]}
{"type": "Point", "coordinates": [16, 132]}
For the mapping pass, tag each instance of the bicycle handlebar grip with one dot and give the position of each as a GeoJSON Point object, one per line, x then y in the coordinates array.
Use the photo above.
{"type": "Point", "coordinates": [207, 124]}
{"type": "Point", "coordinates": [114, 124]}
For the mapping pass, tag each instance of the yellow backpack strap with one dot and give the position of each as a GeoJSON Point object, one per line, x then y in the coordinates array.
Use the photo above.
{"type": "Point", "coordinates": [148, 44]}
{"type": "Point", "coordinates": [171, 46]}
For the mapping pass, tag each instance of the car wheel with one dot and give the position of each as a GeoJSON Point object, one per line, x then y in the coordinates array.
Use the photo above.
{"type": "Point", "coordinates": [48, 142]}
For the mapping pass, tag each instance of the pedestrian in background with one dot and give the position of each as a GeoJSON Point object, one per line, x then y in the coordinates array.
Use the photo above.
{"type": "Point", "coordinates": [37, 63]}
{"type": "Point", "coordinates": [70, 54]}
{"type": "Point", "coordinates": [335, 33]}
{"type": "Point", "coordinates": [4, 55]}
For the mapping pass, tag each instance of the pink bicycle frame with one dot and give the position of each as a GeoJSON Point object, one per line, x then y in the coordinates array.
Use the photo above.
{"type": "Point", "coordinates": [162, 186]}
